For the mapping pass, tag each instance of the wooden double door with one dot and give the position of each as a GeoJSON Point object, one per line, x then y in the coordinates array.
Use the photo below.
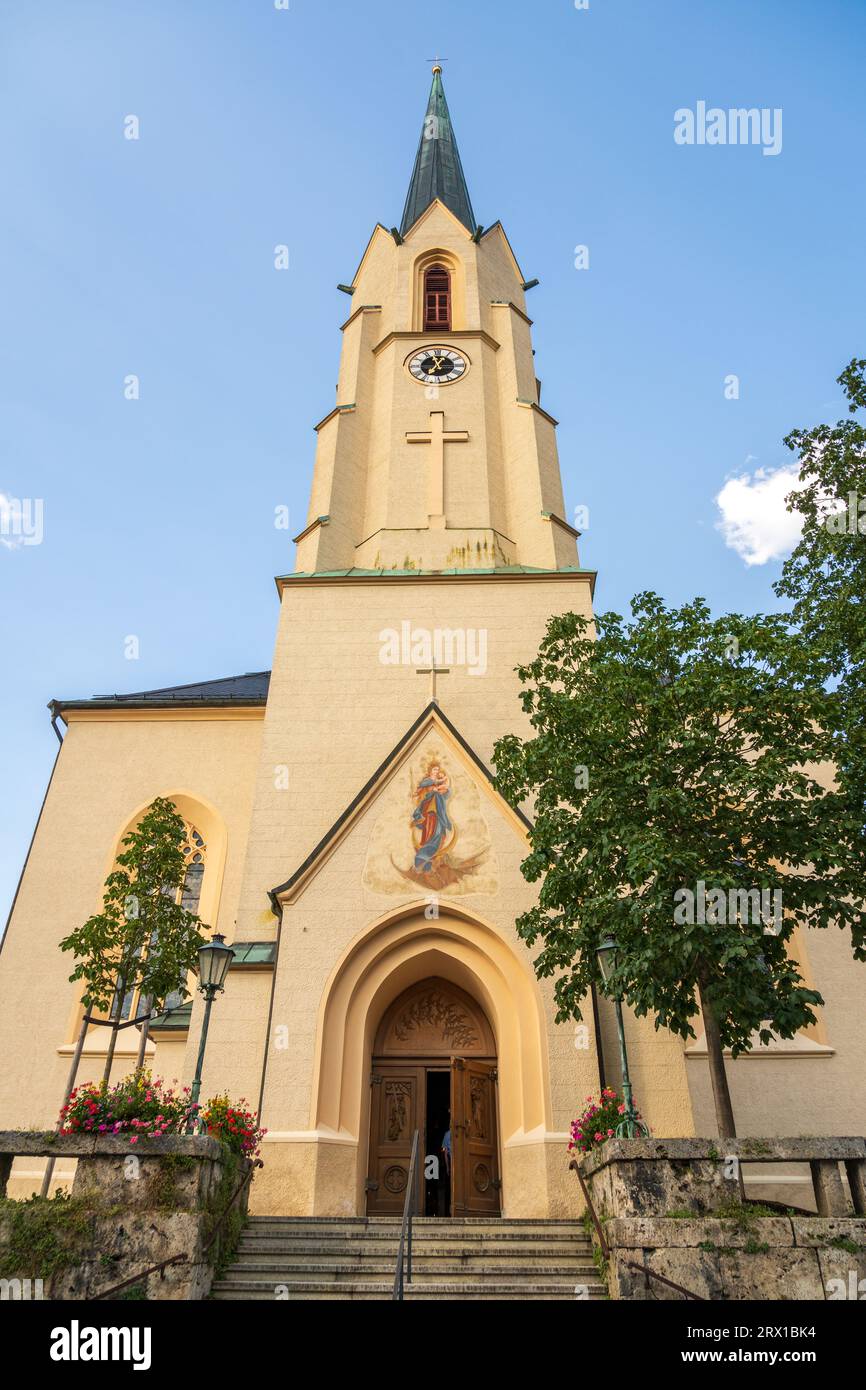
{"type": "Point", "coordinates": [434, 1096]}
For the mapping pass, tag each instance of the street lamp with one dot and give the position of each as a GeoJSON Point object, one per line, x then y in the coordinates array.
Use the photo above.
{"type": "Point", "coordinates": [214, 958]}
{"type": "Point", "coordinates": [631, 1126]}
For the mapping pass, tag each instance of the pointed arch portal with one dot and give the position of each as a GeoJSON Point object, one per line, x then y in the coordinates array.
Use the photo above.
{"type": "Point", "coordinates": [434, 1071]}
{"type": "Point", "coordinates": [413, 998]}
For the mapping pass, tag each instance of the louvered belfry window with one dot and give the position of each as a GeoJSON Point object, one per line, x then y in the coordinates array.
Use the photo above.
{"type": "Point", "coordinates": [437, 298]}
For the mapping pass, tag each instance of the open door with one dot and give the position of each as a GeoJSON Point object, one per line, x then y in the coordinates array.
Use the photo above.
{"type": "Point", "coordinates": [475, 1185]}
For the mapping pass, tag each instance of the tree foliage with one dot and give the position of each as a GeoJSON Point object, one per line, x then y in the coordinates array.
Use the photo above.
{"type": "Point", "coordinates": [826, 574]}
{"type": "Point", "coordinates": [143, 938]}
{"type": "Point", "coordinates": [674, 750]}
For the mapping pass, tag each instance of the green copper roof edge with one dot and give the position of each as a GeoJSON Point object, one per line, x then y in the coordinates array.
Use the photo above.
{"type": "Point", "coordinates": [426, 574]}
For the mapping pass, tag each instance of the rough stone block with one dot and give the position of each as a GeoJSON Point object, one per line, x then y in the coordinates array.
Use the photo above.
{"type": "Point", "coordinates": [778, 1275]}
{"type": "Point", "coordinates": [821, 1230]}
{"type": "Point", "coordinates": [843, 1275]}
{"type": "Point", "coordinates": [658, 1233]}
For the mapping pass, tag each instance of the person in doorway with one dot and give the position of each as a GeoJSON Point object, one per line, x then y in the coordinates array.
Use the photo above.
{"type": "Point", "coordinates": [446, 1149]}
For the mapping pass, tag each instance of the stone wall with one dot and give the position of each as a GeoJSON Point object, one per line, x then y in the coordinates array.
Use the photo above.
{"type": "Point", "coordinates": [673, 1209]}
{"type": "Point", "coordinates": [131, 1207]}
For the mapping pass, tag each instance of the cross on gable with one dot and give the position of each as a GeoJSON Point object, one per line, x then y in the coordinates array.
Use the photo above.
{"type": "Point", "coordinates": [437, 437]}
{"type": "Point", "coordinates": [433, 672]}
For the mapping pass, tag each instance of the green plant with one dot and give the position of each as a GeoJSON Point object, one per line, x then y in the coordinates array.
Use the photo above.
{"type": "Point", "coordinates": [743, 1214]}
{"type": "Point", "coordinates": [598, 1121]}
{"type": "Point", "coordinates": [143, 939]}
{"type": "Point", "coordinates": [137, 1107]}
{"type": "Point", "coordinates": [850, 1247]}
{"type": "Point", "coordinates": [162, 1183]}
{"type": "Point", "coordinates": [45, 1235]}
{"type": "Point", "coordinates": [672, 770]}
{"type": "Point", "coordinates": [234, 1125]}
{"type": "Point", "coordinates": [826, 574]}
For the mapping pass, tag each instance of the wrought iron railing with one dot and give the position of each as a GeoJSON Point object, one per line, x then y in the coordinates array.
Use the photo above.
{"type": "Point", "coordinates": [403, 1272]}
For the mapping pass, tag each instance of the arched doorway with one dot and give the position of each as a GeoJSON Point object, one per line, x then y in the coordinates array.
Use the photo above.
{"type": "Point", "coordinates": [434, 1070]}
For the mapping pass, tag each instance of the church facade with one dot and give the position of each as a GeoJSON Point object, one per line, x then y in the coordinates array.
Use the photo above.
{"type": "Point", "coordinates": [344, 832]}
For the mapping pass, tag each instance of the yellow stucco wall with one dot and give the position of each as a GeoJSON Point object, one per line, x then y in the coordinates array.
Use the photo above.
{"type": "Point", "coordinates": [110, 767]}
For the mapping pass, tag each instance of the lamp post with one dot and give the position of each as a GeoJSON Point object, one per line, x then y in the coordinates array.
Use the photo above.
{"type": "Point", "coordinates": [214, 958]}
{"type": "Point", "coordinates": [631, 1126]}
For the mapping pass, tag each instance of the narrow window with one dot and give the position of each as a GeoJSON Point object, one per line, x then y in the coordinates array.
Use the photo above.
{"type": "Point", "coordinates": [437, 298]}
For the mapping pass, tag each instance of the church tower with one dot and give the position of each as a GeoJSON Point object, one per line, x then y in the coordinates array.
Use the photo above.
{"type": "Point", "coordinates": [437, 455]}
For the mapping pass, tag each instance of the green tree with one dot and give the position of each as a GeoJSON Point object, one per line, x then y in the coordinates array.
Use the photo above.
{"type": "Point", "coordinates": [674, 751]}
{"type": "Point", "coordinates": [143, 939]}
{"type": "Point", "coordinates": [826, 574]}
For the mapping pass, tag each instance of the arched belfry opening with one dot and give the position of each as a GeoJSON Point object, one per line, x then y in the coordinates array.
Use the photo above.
{"type": "Point", "coordinates": [434, 1070]}
{"type": "Point", "coordinates": [437, 298]}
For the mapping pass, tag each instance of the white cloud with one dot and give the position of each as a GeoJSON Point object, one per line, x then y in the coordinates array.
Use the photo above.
{"type": "Point", "coordinates": [754, 521]}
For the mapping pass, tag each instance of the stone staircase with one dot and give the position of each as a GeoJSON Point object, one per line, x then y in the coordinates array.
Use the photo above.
{"type": "Point", "coordinates": [354, 1258]}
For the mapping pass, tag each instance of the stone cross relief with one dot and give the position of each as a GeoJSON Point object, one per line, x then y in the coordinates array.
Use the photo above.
{"type": "Point", "coordinates": [437, 437]}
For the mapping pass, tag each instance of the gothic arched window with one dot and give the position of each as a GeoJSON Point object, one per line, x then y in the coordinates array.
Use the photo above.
{"type": "Point", "coordinates": [437, 298]}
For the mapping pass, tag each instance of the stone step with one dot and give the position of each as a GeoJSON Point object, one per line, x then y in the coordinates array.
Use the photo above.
{"type": "Point", "coordinates": [272, 1226]}
{"type": "Point", "coordinates": [285, 1273]}
{"type": "Point", "coordinates": [475, 1258]}
{"type": "Point", "coordinates": [578, 1291]}
{"type": "Point", "coordinates": [395, 1220]}
{"type": "Point", "coordinates": [430, 1247]}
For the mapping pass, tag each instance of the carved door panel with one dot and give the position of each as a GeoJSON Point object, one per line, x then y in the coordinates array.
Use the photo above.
{"type": "Point", "coordinates": [475, 1150]}
{"type": "Point", "coordinates": [397, 1110]}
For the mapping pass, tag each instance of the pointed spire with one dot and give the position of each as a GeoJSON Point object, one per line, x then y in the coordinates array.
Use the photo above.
{"type": "Point", "coordinates": [438, 172]}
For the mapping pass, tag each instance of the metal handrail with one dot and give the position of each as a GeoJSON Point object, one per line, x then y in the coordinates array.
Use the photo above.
{"type": "Point", "coordinates": [406, 1227]}
{"type": "Point", "coordinates": [660, 1278]}
{"type": "Point", "coordinates": [605, 1248]}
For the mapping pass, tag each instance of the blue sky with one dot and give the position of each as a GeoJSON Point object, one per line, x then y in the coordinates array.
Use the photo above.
{"type": "Point", "coordinates": [261, 126]}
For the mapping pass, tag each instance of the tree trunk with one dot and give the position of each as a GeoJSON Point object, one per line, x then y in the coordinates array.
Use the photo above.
{"type": "Point", "coordinates": [142, 1043]}
{"type": "Point", "coordinates": [716, 1058]}
{"type": "Point", "coordinates": [70, 1085]}
{"type": "Point", "coordinates": [112, 1044]}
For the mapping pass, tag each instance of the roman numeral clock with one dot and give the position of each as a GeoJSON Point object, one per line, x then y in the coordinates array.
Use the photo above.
{"type": "Point", "coordinates": [437, 366]}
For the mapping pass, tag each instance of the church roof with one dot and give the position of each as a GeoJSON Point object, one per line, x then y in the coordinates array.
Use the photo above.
{"type": "Point", "coordinates": [438, 172]}
{"type": "Point", "coordinates": [248, 689]}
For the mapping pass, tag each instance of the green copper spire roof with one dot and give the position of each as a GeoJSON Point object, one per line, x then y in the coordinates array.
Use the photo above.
{"type": "Point", "coordinates": [438, 172]}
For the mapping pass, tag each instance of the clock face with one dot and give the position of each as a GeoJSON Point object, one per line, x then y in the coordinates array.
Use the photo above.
{"type": "Point", "coordinates": [437, 366]}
